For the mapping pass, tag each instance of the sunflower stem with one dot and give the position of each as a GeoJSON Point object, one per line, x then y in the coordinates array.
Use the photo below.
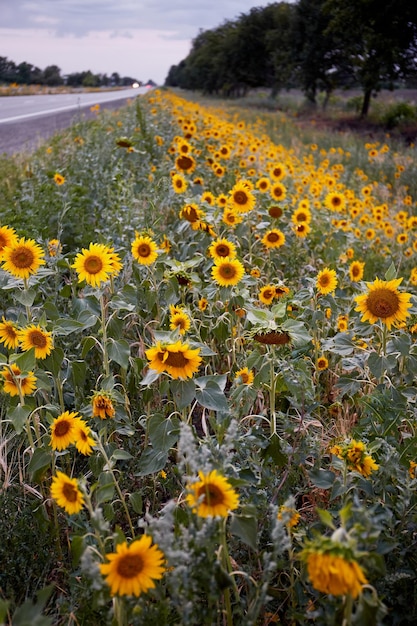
{"type": "Point", "coordinates": [272, 387]}
{"type": "Point", "coordinates": [119, 612]}
{"type": "Point", "coordinates": [104, 333]}
{"type": "Point", "coordinates": [28, 311]}
{"type": "Point", "coordinates": [347, 613]}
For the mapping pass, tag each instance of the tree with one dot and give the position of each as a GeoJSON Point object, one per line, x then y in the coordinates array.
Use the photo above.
{"type": "Point", "coordinates": [51, 76]}
{"type": "Point", "coordinates": [378, 40]}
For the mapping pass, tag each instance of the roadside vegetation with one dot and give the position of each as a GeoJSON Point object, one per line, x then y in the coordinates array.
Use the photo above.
{"type": "Point", "coordinates": [208, 347]}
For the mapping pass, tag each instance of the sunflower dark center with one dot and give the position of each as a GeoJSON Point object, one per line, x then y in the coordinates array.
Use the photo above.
{"type": "Point", "coordinates": [93, 264]}
{"type": "Point", "coordinates": [336, 201]}
{"type": "Point", "coordinates": [268, 294]}
{"type": "Point", "coordinates": [70, 492]}
{"type": "Point", "coordinates": [273, 237]}
{"type": "Point", "coordinates": [227, 271]}
{"type": "Point", "coordinates": [383, 303]}
{"type": "Point", "coordinates": [240, 197]}
{"type": "Point", "coordinates": [275, 211]}
{"type": "Point", "coordinates": [37, 339]}
{"type": "Point", "coordinates": [212, 495]}
{"type": "Point", "coordinates": [22, 257]}
{"type": "Point", "coordinates": [129, 566]}
{"type": "Point", "coordinates": [222, 250]}
{"type": "Point", "coordinates": [355, 270]}
{"type": "Point", "coordinates": [278, 192]}
{"type": "Point", "coordinates": [144, 250]}
{"type": "Point", "coordinates": [245, 377]}
{"type": "Point", "coordinates": [184, 163]}
{"type": "Point", "coordinates": [324, 280]}
{"type": "Point", "coordinates": [62, 428]}
{"type": "Point", "coordinates": [301, 217]}
{"type": "Point", "coordinates": [176, 359]}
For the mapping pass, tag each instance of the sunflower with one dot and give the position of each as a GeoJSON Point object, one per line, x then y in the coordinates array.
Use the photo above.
{"type": "Point", "coordinates": [245, 376]}
{"type": "Point", "coordinates": [8, 238]}
{"type": "Point", "coordinates": [334, 574]}
{"type": "Point", "coordinates": [241, 198]}
{"type": "Point", "coordinates": [301, 215]}
{"type": "Point", "coordinates": [35, 337]}
{"type": "Point", "coordinates": [227, 272]}
{"type": "Point", "coordinates": [208, 198]}
{"type": "Point", "coordinates": [212, 495]}
{"type": "Point", "coordinates": [356, 270]}
{"type": "Point", "coordinates": [83, 442]}
{"type": "Point", "coordinates": [102, 405]}
{"type": "Point", "coordinates": [59, 179]}
{"type": "Point", "coordinates": [181, 321]}
{"type": "Point", "coordinates": [93, 264]}
{"type": "Point", "coordinates": [22, 258]}
{"type": "Point", "coordinates": [191, 213]}
{"type": "Point", "coordinates": [384, 302]}
{"type": "Point", "coordinates": [66, 493]}
{"type": "Point", "coordinates": [177, 359]}
{"type": "Point", "coordinates": [326, 281]}
{"type": "Point", "coordinates": [322, 363]}
{"type": "Point", "coordinates": [231, 217]}
{"type": "Point", "coordinates": [289, 515]}
{"type": "Point", "coordinates": [64, 430]}
{"type": "Point", "coordinates": [221, 248]}
{"type": "Point", "coordinates": [267, 294]}
{"type": "Point", "coordinates": [133, 569]}
{"type": "Point", "coordinates": [185, 163]}
{"type": "Point", "coordinates": [54, 247]}
{"type": "Point", "coordinates": [144, 250]}
{"type": "Point", "coordinates": [342, 323]}
{"type": "Point", "coordinates": [14, 383]}
{"type": "Point", "coordinates": [275, 211]}
{"type": "Point", "coordinates": [273, 238]}
{"type": "Point", "coordinates": [9, 334]}
{"type": "Point", "coordinates": [203, 304]}
{"type": "Point", "coordinates": [278, 191]}
{"type": "Point", "coordinates": [335, 201]}
{"type": "Point", "coordinates": [277, 171]}
{"type": "Point", "coordinates": [263, 184]}
{"type": "Point", "coordinates": [115, 262]}
{"type": "Point", "coordinates": [179, 184]}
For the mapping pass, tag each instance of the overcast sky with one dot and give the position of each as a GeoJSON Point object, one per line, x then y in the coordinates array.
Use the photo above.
{"type": "Point", "coordinates": [136, 38]}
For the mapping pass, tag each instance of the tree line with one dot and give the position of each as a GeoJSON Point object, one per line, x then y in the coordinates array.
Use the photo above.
{"type": "Point", "coordinates": [28, 74]}
{"type": "Point", "coordinates": [314, 45]}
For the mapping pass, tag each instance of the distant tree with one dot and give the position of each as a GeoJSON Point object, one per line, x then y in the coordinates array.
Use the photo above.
{"type": "Point", "coordinates": [8, 70]}
{"type": "Point", "coordinates": [280, 46]}
{"type": "Point", "coordinates": [378, 40]}
{"type": "Point", "coordinates": [90, 79]}
{"type": "Point", "coordinates": [51, 76]}
{"type": "Point", "coordinates": [115, 79]}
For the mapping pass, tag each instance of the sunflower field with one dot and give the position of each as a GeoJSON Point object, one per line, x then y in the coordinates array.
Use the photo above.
{"type": "Point", "coordinates": [208, 360]}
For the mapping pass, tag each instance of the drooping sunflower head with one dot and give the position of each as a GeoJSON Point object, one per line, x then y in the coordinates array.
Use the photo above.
{"type": "Point", "coordinates": [384, 302]}
{"type": "Point", "coordinates": [192, 213]}
{"type": "Point", "coordinates": [221, 248]}
{"type": "Point", "coordinates": [133, 570]}
{"type": "Point", "coordinates": [34, 336]}
{"type": "Point", "coordinates": [94, 264]}
{"type": "Point", "coordinates": [9, 334]}
{"type": "Point", "coordinates": [212, 495]}
{"type": "Point", "coordinates": [66, 493]}
{"type": "Point", "coordinates": [227, 272]}
{"type": "Point", "coordinates": [326, 281]}
{"type": "Point", "coordinates": [334, 571]}
{"type": "Point", "coordinates": [16, 384]}
{"type": "Point", "coordinates": [144, 250]}
{"type": "Point", "coordinates": [102, 405]}
{"type": "Point", "coordinates": [22, 258]}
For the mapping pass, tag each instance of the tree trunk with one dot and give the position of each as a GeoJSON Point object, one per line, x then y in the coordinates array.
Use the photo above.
{"type": "Point", "coordinates": [366, 102]}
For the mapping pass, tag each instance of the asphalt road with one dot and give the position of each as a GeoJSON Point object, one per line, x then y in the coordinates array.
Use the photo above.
{"type": "Point", "coordinates": [26, 122]}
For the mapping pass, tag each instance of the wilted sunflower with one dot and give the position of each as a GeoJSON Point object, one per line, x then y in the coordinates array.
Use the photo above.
{"type": "Point", "coordinates": [8, 238]}
{"type": "Point", "coordinates": [221, 248]}
{"type": "Point", "coordinates": [133, 569]}
{"type": "Point", "coordinates": [273, 238]}
{"type": "Point", "coordinates": [245, 376]}
{"type": "Point", "coordinates": [227, 272]}
{"type": "Point", "coordinates": [212, 495]}
{"type": "Point", "coordinates": [192, 213]}
{"type": "Point", "coordinates": [356, 270]}
{"type": "Point", "coordinates": [35, 337]}
{"type": "Point", "coordinates": [93, 264]}
{"type": "Point", "coordinates": [64, 430]}
{"type": "Point", "coordinates": [241, 198]}
{"type": "Point", "coordinates": [177, 359]}
{"type": "Point", "coordinates": [384, 302]}
{"type": "Point", "coordinates": [22, 258]}
{"type": "Point", "coordinates": [334, 573]}
{"type": "Point", "coordinates": [66, 493]}
{"type": "Point", "coordinates": [144, 250]}
{"type": "Point", "coordinates": [9, 334]}
{"type": "Point", "coordinates": [102, 405]}
{"type": "Point", "coordinates": [14, 383]}
{"type": "Point", "coordinates": [326, 281]}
